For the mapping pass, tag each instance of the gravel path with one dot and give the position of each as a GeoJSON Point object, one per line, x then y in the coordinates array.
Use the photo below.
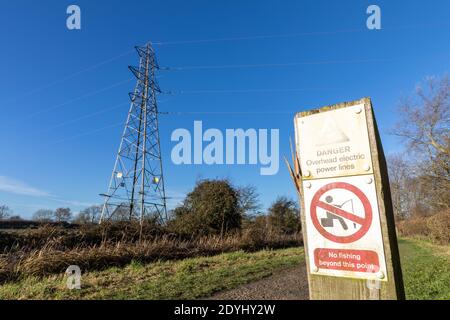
{"type": "Point", "coordinates": [288, 284]}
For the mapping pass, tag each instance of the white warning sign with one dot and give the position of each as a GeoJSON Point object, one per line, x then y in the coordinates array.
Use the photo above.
{"type": "Point", "coordinates": [343, 228]}
{"type": "Point", "coordinates": [334, 143]}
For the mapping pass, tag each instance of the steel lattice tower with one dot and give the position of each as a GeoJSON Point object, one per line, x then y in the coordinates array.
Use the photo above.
{"type": "Point", "coordinates": [136, 188]}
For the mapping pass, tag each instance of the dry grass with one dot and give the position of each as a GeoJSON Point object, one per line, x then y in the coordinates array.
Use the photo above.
{"type": "Point", "coordinates": [65, 238]}
{"type": "Point", "coordinates": [52, 258]}
{"type": "Point", "coordinates": [426, 273]}
{"type": "Point", "coordinates": [190, 278]}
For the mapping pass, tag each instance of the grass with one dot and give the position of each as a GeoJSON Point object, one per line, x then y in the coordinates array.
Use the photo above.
{"type": "Point", "coordinates": [184, 279]}
{"type": "Point", "coordinates": [426, 270]}
{"type": "Point", "coordinates": [54, 257]}
{"type": "Point", "coordinates": [426, 273]}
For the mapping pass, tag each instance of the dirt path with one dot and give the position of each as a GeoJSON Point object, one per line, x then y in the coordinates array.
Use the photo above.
{"type": "Point", "coordinates": [288, 284]}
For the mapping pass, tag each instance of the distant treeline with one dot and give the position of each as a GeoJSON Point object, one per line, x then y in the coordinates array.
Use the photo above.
{"type": "Point", "coordinates": [27, 224]}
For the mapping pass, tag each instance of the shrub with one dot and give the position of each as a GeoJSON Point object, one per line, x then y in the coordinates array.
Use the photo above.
{"type": "Point", "coordinates": [439, 227]}
{"type": "Point", "coordinates": [284, 216]}
{"type": "Point", "coordinates": [414, 227]}
{"type": "Point", "coordinates": [256, 230]}
{"type": "Point", "coordinates": [435, 228]}
{"type": "Point", "coordinates": [211, 208]}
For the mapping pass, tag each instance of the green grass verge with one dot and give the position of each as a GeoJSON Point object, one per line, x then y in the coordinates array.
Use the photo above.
{"type": "Point", "coordinates": [184, 279]}
{"type": "Point", "coordinates": [426, 274]}
{"type": "Point", "coordinates": [426, 270]}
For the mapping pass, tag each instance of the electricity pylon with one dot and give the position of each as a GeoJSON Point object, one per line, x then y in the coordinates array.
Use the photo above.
{"type": "Point", "coordinates": [136, 188]}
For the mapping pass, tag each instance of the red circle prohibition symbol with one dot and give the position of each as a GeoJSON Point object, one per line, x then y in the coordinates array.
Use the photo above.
{"type": "Point", "coordinates": [364, 222]}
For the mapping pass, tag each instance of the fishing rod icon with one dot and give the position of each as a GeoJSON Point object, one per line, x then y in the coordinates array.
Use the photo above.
{"type": "Point", "coordinates": [328, 222]}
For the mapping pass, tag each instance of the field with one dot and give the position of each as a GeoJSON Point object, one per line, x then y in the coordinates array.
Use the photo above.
{"type": "Point", "coordinates": [426, 270]}
{"type": "Point", "coordinates": [183, 279]}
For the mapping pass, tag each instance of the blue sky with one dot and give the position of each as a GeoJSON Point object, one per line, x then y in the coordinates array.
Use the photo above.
{"type": "Point", "coordinates": [60, 128]}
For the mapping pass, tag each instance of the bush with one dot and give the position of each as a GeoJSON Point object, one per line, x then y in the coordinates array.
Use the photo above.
{"type": "Point", "coordinates": [256, 230]}
{"type": "Point", "coordinates": [284, 216]}
{"type": "Point", "coordinates": [439, 227]}
{"type": "Point", "coordinates": [435, 228]}
{"type": "Point", "coordinates": [414, 227]}
{"type": "Point", "coordinates": [211, 208]}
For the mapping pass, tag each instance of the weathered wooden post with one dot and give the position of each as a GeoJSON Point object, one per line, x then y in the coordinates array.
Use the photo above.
{"type": "Point", "coordinates": [346, 210]}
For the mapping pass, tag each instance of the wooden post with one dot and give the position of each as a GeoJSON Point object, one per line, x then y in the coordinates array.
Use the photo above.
{"type": "Point", "coordinates": [373, 244]}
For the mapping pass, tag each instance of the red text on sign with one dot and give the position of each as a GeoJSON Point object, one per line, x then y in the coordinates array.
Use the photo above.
{"type": "Point", "coordinates": [347, 260]}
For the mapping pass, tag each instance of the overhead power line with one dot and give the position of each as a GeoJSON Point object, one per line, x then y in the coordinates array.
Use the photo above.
{"type": "Point", "coordinates": [246, 90]}
{"type": "Point", "coordinates": [172, 113]}
{"type": "Point", "coordinates": [266, 65]}
{"type": "Point", "coordinates": [225, 39]}
{"type": "Point", "coordinates": [293, 35]}
{"type": "Point", "coordinates": [70, 76]}
{"type": "Point", "coordinates": [87, 95]}
{"type": "Point", "coordinates": [256, 37]}
{"type": "Point", "coordinates": [87, 133]}
{"type": "Point", "coordinates": [180, 113]}
{"type": "Point", "coordinates": [90, 115]}
{"type": "Point", "coordinates": [86, 116]}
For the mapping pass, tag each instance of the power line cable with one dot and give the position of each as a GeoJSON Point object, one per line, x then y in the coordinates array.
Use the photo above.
{"type": "Point", "coordinates": [87, 116]}
{"type": "Point", "coordinates": [86, 133]}
{"type": "Point", "coordinates": [257, 37]}
{"type": "Point", "coordinates": [178, 113]}
{"type": "Point", "coordinates": [161, 43]}
{"type": "Point", "coordinates": [96, 130]}
{"type": "Point", "coordinates": [246, 90]}
{"type": "Point", "coordinates": [293, 35]}
{"type": "Point", "coordinates": [72, 75]}
{"type": "Point", "coordinates": [89, 94]}
{"type": "Point", "coordinates": [90, 115]}
{"type": "Point", "coordinates": [266, 65]}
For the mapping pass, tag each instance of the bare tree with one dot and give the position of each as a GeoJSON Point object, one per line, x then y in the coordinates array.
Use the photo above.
{"type": "Point", "coordinates": [426, 117]}
{"type": "Point", "coordinates": [397, 178]}
{"type": "Point", "coordinates": [248, 200]}
{"type": "Point", "coordinates": [122, 213]}
{"type": "Point", "coordinates": [89, 215]}
{"type": "Point", "coordinates": [5, 212]}
{"type": "Point", "coordinates": [43, 215]}
{"type": "Point", "coordinates": [62, 214]}
{"type": "Point", "coordinates": [405, 196]}
{"type": "Point", "coordinates": [424, 126]}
